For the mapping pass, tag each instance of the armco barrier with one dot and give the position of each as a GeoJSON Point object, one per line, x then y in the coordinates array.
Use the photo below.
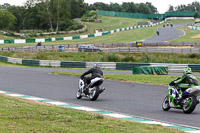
{"type": "Point", "coordinates": [70, 64]}
{"type": "Point", "coordinates": [104, 65]}
{"type": "Point", "coordinates": [130, 66]}
{"type": "Point", "coordinates": [194, 27]}
{"type": "Point", "coordinates": [172, 67]}
{"type": "Point", "coordinates": [30, 62]}
{"type": "Point", "coordinates": [195, 67]}
{"type": "Point", "coordinates": [3, 58]}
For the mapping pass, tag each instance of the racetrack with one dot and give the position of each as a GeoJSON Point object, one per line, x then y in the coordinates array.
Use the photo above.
{"type": "Point", "coordinates": [166, 34]}
{"type": "Point", "coordinates": [128, 98]}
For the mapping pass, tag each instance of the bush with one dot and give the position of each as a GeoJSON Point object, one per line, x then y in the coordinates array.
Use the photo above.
{"type": "Point", "coordinates": [112, 58]}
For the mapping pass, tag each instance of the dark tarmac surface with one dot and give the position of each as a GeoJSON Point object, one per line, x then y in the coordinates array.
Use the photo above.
{"type": "Point", "coordinates": [134, 99]}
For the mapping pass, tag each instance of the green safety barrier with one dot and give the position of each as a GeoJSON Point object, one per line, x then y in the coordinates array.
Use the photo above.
{"type": "Point", "coordinates": [91, 35]}
{"type": "Point", "coordinates": [59, 38]}
{"type": "Point", "coordinates": [146, 16]}
{"type": "Point", "coordinates": [48, 40]}
{"type": "Point", "coordinates": [194, 67]}
{"type": "Point", "coordinates": [76, 37]}
{"type": "Point", "coordinates": [30, 40]}
{"type": "Point", "coordinates": [130, 66]}
{"type": "Point", "coordinates": [69, 64]}
{"type": "Point", "coordinates": [31, 62]}
{"type": "Point", "coordinates": [3, 58]}
{"type": "Point", "coordinates": [159, 70]}
{"type": "Point", "coordinates": [8, 41]}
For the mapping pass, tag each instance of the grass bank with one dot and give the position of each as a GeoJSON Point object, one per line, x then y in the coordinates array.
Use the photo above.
{"type": "Point", "coordinates": [142, 57]}
{"type": "Point", "coordinates": [189, 35]}
{"type": "Point", "coordinates": [108, 23]}
{"type": "Point", "coordinates": [17, 115]}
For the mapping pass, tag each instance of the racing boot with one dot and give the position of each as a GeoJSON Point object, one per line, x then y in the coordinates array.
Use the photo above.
{"type": "Point", "coordinates": [102, 90]}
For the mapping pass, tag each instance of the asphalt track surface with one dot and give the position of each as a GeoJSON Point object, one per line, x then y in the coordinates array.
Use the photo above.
{"type": "Point", "coordinates": [134, 99]}
{"type": "Point", "coordinates": [167, 33]}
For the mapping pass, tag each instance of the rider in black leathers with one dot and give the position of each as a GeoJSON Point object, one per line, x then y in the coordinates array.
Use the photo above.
{"type": "Point", "coordinates": [95, 72]}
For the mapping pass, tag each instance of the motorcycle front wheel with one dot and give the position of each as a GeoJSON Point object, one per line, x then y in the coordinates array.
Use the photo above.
{"type": "Point", "coordinates": [165, 104]}
{"type": "Point", "coordinates": [94, 93]}
{"type": "Point", "coordinates": [78, 94]}
{"type": "Point", "coordinates": [189, 104]}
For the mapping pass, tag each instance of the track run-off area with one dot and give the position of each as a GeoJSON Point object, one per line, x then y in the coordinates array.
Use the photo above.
{"type": "Point", "coordinates": [133, 99]}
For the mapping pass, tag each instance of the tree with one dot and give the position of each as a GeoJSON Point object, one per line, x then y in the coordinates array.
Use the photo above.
{"type": "Point", "coordinates": [171, 8]}
{"type": "Point", "coordinates": [196, 15]}
{"type": "Point", "coordinates": [143, 8]}
{"type": "Point", "coordinates": [7, 20]}
{"type": "Point", "coordinates": [152, 8]}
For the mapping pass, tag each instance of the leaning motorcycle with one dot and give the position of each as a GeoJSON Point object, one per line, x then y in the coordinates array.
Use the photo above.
{"type": "Point", "coordinates": [182, 99]}
{"type": "Point", "coordinates": [92, 90]}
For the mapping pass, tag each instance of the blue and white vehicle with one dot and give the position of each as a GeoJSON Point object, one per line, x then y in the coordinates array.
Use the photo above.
{"type": "Point", "coordinates": [185, 100]}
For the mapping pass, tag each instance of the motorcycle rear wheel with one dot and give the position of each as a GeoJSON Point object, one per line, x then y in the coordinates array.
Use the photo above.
{"type": "Point", "coordinates": [165, 104]}
{"type": "Point", "coordinates": [190, 104]}
{"type": "Point", "coordinates": [94, 93]}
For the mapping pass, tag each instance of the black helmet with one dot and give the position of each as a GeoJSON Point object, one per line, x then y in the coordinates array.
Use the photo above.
{"type": "Point", "coordinates": [96, 66]}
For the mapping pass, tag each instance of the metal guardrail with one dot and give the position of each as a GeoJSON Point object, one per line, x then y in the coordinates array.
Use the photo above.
{"type": "Point", "coordinates": [190, 47]}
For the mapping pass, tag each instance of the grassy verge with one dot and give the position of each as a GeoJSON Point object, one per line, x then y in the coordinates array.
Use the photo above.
{"type": "Point", "coordinates": [188, 35]}
{"type": "Point", "coordinates": [17, 115]}
{"type": "Point", "coordinates": [108, 23]}
{"type": "Point", "coordinates": [120, 37]}
{"type": "Point", "coordinates": [149, 79]}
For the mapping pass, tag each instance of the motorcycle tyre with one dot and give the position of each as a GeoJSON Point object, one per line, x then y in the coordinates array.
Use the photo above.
{"type": "Point", "coordinates": [192, 106]}
{"type": "Point", "coordinates": [78, 94]}
{"type": "Point", "coordinates": [168, 106]}
{"type": "Point", "coordinates": [93, 96]}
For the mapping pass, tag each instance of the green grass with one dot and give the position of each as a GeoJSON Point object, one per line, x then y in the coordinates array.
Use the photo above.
{"type": "Point", "coordinates": [108, 23]}
{"type": "Point", "coordinates": [188, 35]}
{"type": "Point", "coordinates": [149, 79]}
{"type": "Point", "coordinates": [139, 78]}
{"type": "Point", "coordinates": [17, 115]}
{"type": "Point", "coordinates": [120, 37]}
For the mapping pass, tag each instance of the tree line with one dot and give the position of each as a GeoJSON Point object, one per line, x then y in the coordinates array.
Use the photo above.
{"type": "Point", "coordinates": [58, 15]}
{"type": "Point", "coordinates": [193, 7]}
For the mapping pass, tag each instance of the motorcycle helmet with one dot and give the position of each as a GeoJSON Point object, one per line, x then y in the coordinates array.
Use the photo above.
{"type": "Point", "coordinates": [187, 70]}
{"type": "Point", "coordinates": [96, 66]}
